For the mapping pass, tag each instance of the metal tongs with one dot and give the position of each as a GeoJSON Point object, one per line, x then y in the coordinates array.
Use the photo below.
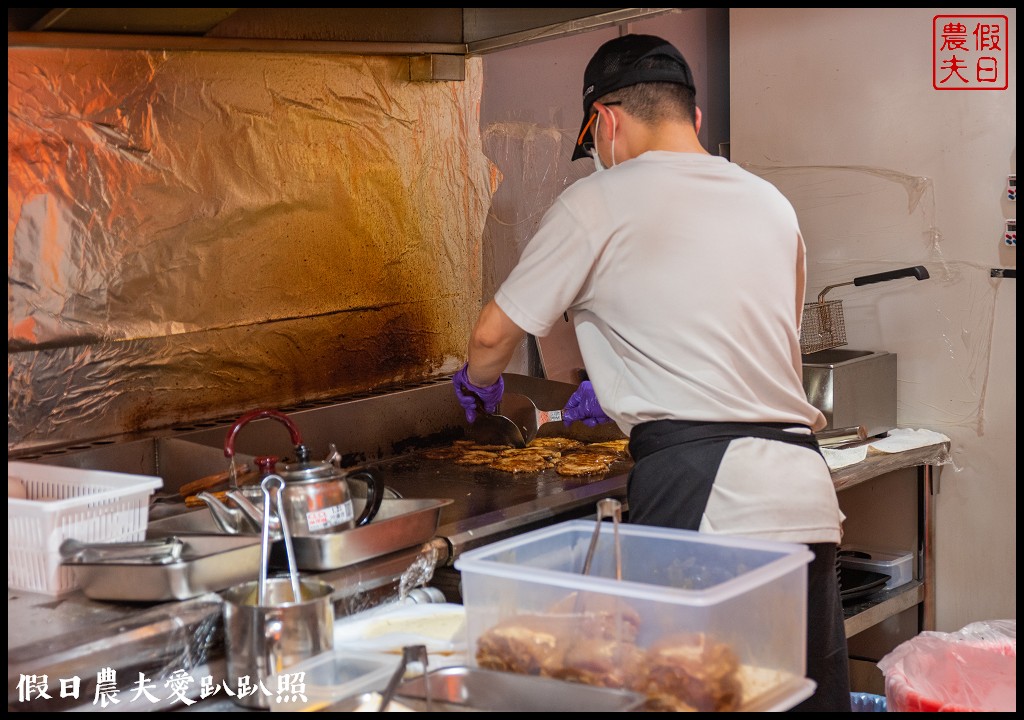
{"type": "Point", "coordinates": [607, 508]}
{"type": "Point", "coordinates": [273, 485]}
{"type": "Point", "coordinates": [145, 552]}
{"type": "Point", "coordinates": [410, 653]}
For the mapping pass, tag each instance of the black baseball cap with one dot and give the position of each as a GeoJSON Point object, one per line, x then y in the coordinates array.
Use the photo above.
{"type": "Point", "coordinates": [615, 66]}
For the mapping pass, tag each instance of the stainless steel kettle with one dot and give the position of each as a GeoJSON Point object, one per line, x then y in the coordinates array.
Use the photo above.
{"type": "Point", "coordinates": [317, 498]}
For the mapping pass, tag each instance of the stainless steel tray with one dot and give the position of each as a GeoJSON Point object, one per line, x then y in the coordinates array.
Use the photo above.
{"type": "Point", "coordinates": [400, 523]}
{"type": "Point", "coordinates": [461, 689]}
{"type": "Point", "coordinates": [208, 563]}
{"type": "Point", "coordinates": [466, 689]}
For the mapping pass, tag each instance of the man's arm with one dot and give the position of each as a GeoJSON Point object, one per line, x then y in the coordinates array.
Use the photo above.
{"type": "Point", "coordinates": [491, 345]}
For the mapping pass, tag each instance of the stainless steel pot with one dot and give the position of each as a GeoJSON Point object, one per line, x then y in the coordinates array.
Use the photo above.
{"type": "Point", "coordinates": [262, 640]}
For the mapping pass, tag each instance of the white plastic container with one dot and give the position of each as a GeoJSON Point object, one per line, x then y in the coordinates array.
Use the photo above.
{"type": "Point", "coordinates": [64, 503]}
{"type": "Point", "coordinates": [748, 595]}
{"type": "Point", "coordinates": [897, 564]}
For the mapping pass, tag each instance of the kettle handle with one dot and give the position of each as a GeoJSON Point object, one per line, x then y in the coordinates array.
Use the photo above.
{"type": "Point", "coordinates": [229, 441]}
{"type": "Point", "coordinates": [374, 495]}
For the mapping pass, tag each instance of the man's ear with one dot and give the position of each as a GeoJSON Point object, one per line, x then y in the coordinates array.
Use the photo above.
{"type": "Point", "coordinates": [608, 121]}
{"type": "Point", "coordinates": [696, 119]}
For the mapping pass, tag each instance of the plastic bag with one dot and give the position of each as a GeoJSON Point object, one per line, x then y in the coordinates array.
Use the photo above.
{"type": "Point", "coordinates": [974, 669]}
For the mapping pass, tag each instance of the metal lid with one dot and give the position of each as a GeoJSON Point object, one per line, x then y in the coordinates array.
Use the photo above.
{"type": "Point", "coordinates": [308, 472]}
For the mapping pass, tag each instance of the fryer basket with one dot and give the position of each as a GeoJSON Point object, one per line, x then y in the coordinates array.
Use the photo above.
{"type": "Point", "coordinates": [822, 324]}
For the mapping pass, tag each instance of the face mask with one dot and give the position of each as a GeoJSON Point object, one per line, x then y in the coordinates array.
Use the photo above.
{"type": "Point", "coordinates": [598, 165]}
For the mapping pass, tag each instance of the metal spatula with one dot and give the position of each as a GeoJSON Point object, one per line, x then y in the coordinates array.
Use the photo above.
{"type": "Point", "coordinates": [523, 412]}
{"type": "Point", "coordinates": [495, 429]}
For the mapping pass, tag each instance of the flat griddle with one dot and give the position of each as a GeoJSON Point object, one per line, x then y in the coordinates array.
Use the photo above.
{"type": "Point", "coordinates": [488, 504]}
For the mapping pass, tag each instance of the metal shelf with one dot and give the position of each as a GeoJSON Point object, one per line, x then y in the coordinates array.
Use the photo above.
{"type": "Point", "coordinates": [919, 592]}
{"type": "Point", "coordinates": [881, 605]}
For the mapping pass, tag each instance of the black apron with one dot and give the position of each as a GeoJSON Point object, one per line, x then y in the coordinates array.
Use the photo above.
{"type": "Point", "coordinates": [671, 489]}
{"type": "Point", "coordinates": [675, 466]}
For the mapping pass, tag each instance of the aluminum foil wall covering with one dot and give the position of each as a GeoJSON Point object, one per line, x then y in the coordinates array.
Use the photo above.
{"type": "Point", "coordinates": [192, 235]}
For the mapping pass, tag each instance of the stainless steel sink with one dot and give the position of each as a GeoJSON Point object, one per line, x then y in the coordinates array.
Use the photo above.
{"type": "Point", "coordinates": [853, 387]}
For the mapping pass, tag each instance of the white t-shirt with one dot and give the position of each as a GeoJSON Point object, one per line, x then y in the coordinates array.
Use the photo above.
{"type": "Point", "coordinates": [680, 271]}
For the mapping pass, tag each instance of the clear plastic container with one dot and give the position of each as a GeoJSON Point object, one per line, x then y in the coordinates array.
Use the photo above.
{"type": "Point", "coordinates": [897, 564]}
{"type": "Point", "coordinates": [318, 682]}
{"type": "Point", "coordinates": [737, 599]}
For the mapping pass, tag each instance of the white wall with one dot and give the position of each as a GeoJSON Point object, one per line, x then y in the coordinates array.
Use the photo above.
{"type": "Point", "coordinates": [836, 106]}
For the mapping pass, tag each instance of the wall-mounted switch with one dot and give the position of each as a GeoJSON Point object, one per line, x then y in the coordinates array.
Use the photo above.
{"type": "Point", "coordinates": [1010, 237]}
{"type": "Point", "coordinates": [1011, 187]}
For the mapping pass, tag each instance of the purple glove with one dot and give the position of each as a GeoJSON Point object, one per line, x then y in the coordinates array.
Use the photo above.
{"type": "Point", "coordinates": [583, 405]}
{"type": "Point", "coordinates": [473, 398]}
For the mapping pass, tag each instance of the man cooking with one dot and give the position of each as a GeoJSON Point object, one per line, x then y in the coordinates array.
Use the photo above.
{"type": "Point", "coordinates": [685, 278]}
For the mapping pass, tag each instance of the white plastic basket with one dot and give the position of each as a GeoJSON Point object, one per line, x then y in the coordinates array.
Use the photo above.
{"type": "Point", "coordinates": [69, 503]}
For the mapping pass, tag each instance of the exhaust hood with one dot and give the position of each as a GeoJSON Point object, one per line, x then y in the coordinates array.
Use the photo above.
{"type": "Point", "coordinates": [412, 31]}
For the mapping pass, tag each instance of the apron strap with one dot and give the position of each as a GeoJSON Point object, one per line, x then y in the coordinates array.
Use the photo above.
{"type": "Point", "coordinates": [650, 437]}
